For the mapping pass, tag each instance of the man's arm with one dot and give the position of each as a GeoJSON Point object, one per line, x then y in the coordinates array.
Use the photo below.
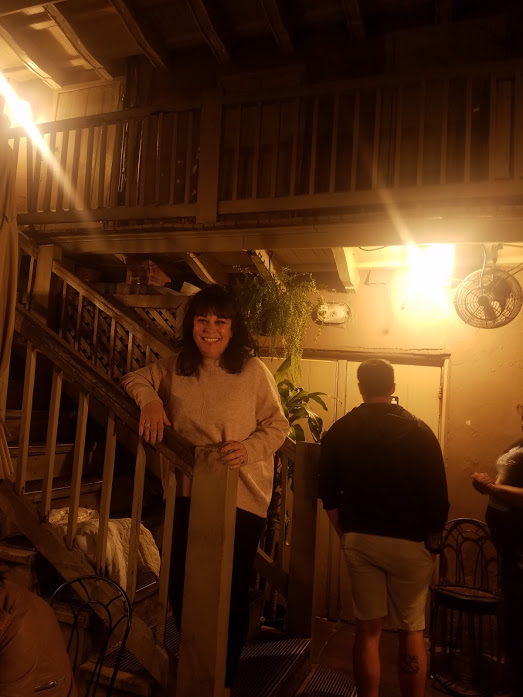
{"type": "Point", "coordinates": [329, 488]}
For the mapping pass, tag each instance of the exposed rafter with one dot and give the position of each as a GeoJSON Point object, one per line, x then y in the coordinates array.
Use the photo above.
{"type": "Point", "coordinates": [265, 262]}
{"type": "Point", "coordinates": [9, 7]}
{"type": "Point", "coordinates": [354, 18]}
{"type": "Point", "coordinates": [207, 269]}
{"type": "Point", "coordinates": [147, 39]}
{"type": "Point", "coordinates": [347, 269]}
{"type": "Point", "coordinates": [274, 13]}
{"type": "Point", "coordinates": [211, 32]}
{"type": "Point", "coordinates": [75, 41]}
{"type": "Point", "coordinates": [36, 61]}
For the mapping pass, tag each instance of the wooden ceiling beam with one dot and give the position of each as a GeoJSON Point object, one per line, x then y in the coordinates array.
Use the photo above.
{"type": "Point", "coordinates": [207, 268]}
{"type": "Point", "coordinates": [213, 34]}
{"type": "Point", "coordinates": [274, 13]}
{"type": "Point", "coordinates": [75, 41]}
{"type": "Point", "coordinates": [147, 39]}
{"type": "Point", "coordinates": [9, 7]}
{"type": "Point", "coordinates": [35, 61]}
{"type": "Point", "coordinates": [354, 19]}
{"type": "Point", "coordinates": [265, 262]}
{"type": "Point", "coordinates": [347, 268]}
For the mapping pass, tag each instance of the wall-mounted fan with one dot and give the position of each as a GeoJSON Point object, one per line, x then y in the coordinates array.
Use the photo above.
{"type": "Point", "coordinates": [488, 298]}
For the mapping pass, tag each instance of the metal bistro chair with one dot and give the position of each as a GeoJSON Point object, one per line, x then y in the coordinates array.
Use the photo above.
{"type": "Point", "coordinates": [465, 651]}
{"type": "Point", "coordinates": [105, 598]}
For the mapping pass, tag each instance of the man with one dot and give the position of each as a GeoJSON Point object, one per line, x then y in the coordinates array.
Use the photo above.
{"type": "Point", "coordinates": [33, 658]}
{"type": "Point", "coordinates": [382, 483]}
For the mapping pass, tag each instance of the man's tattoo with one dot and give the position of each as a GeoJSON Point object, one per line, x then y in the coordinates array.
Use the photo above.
{"type": "Point", "coordinates": [409, 664]}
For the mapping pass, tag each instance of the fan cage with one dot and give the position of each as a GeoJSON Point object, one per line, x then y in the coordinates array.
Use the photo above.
{"type": "Point", "coordinates": [488, 299]}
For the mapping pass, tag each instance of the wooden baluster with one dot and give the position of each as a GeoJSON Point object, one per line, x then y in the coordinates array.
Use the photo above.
{"type": "Point", "coordinates": [355, 142]}
{"type": "Point", "coordinates": [334, 142]}
{"type": "Point", "coordinates": [29, 174]}
{"type": "Point", "coordinates": [163, 591]}
{"type": "Point", "coordinates": [36, 180]}
{"type": "Point", "coordinates": [444, 132]}
{"type": "Point", "coordinates": [112, 348]}
{"type": "Point", "coordinates": [143, 169]}
{"type": "Point", "coordinates": [105, 497]}
{"type": "Point", "coordinates": [116, 165]}
{"type": "Point", "coordinates": [210, 544]}
{"type": "Point", "coordinates": [136, 521]}
{"type": "Point", "coordinates": [314, 146]}
{"type": "Point", "coordinates": [421, 133]}
{"type": "Point", "coordinates": [101, 166]}
{"type": "Point", "coordinates": [130, 165]}
{"type": "Point", "coordinates": [96, 321]}
{"type": "Point", "coordinates": [50, 447]}
{"type": "Point", "coordinates": [16, 151]}
{"type": "Point", "coordinates": [74, 202]}
{"type": "Point", "coordinates": [159, 159]}
{"type": "Point", "coordinates": [78, 466]}
{"type": "Point", "coordinates": [188, 159]}
{"type": "Point", "coordinates": [274, 168]}
{"type": "Point", "coordinates": [46, 205]}
{"type": "Point", "coordinates": [518, 119]}
{"type": "Point", "coordinates": [25, 421]}
{"type": "Point", "coordinates": [78, 328]}
{"type": "Point", "coordinates": [493, 127]}
{"type": "Point", "coordinates": [399, 128]}
{"type": "Point", "coordinates": [256, 155]}
{"type": "Point", "coordinates": [174, 149]}
{"type": "Point", "coordinates": [302, 567]}
{"type": "Point", "coordinates": [129, 363]}
{"type": "Point", "coordinates": [468, 129]}
{"type": "Point", "coordinates": [63, 166]}
{"type": "Point", "coordinates": [376, 143]}
{"type": "Point", "coordinates": [237, 143]}
{"type": "Point", "coordinates": [88, 202]}
{"type": "Point", "coordinates": [283, 508]}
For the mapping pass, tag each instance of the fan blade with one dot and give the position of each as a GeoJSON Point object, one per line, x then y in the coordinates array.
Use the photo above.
{"type": "Point", "coordinates": [490, 312]}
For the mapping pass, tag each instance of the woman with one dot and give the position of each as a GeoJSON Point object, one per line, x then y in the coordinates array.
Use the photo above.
{"type": "Point", "coordinates": [214, 391]}
{"type": "Point", "coordinates": [33, 658]}
{"type": "Point", "coordinates": [505, 520]}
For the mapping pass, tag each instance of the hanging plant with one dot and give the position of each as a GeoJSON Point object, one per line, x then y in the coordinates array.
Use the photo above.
{"type": "Point", "coordinates": [279, 308]}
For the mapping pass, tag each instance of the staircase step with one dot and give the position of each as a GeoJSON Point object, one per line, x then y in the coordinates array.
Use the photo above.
{"type": "Point", "coordinates": [38, 431]}
{"type": "Point", "coordinates": [37, 460]}
{"type": "Point", "coordinates": [62, 489]}
{"type": "Point", "coordinates": [17, 559]}
{"type": "Point", "coordinates": [325, 682]}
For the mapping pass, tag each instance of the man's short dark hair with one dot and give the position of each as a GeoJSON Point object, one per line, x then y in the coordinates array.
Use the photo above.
{"type": "Point", "coordinates": [376, 377]}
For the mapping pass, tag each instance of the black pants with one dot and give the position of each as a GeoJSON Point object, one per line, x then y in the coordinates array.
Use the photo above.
{"type": "Point", "coordinates": [247, 535]}
{"type": "Point", "coordinates": [512, 586]}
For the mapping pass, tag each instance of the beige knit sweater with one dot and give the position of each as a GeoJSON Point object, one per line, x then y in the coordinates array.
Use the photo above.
{"type": "Point", "coordinates": [218, 406]}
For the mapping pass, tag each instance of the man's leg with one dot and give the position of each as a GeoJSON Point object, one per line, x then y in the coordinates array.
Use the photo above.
{"type": "Point", "coordinates": [412, 663]}
{"type": "Point", "coordinates": [366, 657]}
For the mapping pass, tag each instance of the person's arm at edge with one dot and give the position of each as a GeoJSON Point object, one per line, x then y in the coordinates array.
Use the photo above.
{"type": "Point", "coordinates": [437, 501]}
{"type": "Point", "coordinates": [512, 495]}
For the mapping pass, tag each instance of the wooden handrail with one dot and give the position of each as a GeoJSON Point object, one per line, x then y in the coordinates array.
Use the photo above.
{"type": "Point", "coordinates": [93, 381]}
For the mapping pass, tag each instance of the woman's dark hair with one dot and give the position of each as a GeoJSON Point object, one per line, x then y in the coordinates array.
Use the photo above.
{"type": "Point", "coordinates": [219, 301]}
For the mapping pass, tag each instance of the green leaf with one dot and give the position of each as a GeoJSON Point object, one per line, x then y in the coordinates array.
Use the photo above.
{"type": "Point", "coordinates": [299, 433]}
{"type": "Point", "coordinates": [315, 396]}
{"type": "Point", "coordinates": [282, 370]}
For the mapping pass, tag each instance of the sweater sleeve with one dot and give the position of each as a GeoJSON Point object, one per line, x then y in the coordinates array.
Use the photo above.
{"type": "Point", "coordinates": [329, 487]}
{"type": "Point", "coordinates": [272, 426]}
{"type": "Point", "coordinates": [143, 385]}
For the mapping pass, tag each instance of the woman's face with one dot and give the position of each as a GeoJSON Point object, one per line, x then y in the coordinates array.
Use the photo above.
{"type": "Point", "coordinates": [212, 335]}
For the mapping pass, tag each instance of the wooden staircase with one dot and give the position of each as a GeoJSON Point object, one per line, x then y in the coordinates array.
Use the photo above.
{"type": "Point", "coordinates": [83, 354]}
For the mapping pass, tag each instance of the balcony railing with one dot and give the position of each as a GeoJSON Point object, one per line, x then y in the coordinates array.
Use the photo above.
{"type": "Point", "coordinates": [406, 138]}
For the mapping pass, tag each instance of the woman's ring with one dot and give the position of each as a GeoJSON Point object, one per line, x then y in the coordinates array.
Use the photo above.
{"type": "Point", "coordinates": [147, 425]}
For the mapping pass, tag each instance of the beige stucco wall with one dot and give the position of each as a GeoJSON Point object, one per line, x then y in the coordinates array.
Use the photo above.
{"type": "Point", "coordinates": [484, 381]}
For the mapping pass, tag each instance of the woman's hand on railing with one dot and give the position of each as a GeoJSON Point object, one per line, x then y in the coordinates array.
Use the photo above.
{"type": "Point", "coordinates": [234, 454]}
{"type": "Point", "coordinates": [152, 421]}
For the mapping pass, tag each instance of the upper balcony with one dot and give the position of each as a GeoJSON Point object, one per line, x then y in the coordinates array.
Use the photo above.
{"type": "Point", "coordinates": [453, 139]}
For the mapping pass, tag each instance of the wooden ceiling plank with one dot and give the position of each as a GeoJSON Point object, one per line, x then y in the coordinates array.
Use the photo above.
{"type": "Point", "coordinates": [9, 7]}
{"type": "Point", "coordinates": [354, 18]}
{"type": "Point", "coordinates": [347, 268]}
{"type": "Point", "coordinates": [148, 40]}
{"type": "Point", "coordinates": [53, 79]}
{"type": "Point", "coordinates": [273, 13]}
{"type": "Point", "coordinates": [75, 41]}
{"type": "Point", "coordinates": [208, 28]}
{"type": "Point", "coordinates": [207, 268]}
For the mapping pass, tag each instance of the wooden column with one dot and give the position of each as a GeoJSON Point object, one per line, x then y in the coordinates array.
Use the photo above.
{"type": "Point", "coordinates": [205, 618]}
{"type": "Point", "coordinates": [302, 557]}
{"type": "Point", "coordinates": [42, 301]}
{"type": "Point", "coordinates": [209, 163]}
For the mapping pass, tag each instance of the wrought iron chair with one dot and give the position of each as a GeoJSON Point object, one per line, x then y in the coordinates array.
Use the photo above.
{"type": "Point", "coordinates": [465, 612]}
{"type": "Point", "coordinates": [105, 598]}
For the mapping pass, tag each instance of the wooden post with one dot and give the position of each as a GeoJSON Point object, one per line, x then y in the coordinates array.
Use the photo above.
{"type": "Point", "coordinates": [41, 300]}
{"type": "Point", "coordinates": [205, 618]}
{"type": "Point", "coordinates": [209, 164]}
{"type": "Point", "coordinates": [302, 557]}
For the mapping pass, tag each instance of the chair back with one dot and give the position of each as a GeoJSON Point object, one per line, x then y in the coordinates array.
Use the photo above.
{"type": "Point", "coordinates": [468, 558]}
{"type": "Point", "coordinates": [109, 602]}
